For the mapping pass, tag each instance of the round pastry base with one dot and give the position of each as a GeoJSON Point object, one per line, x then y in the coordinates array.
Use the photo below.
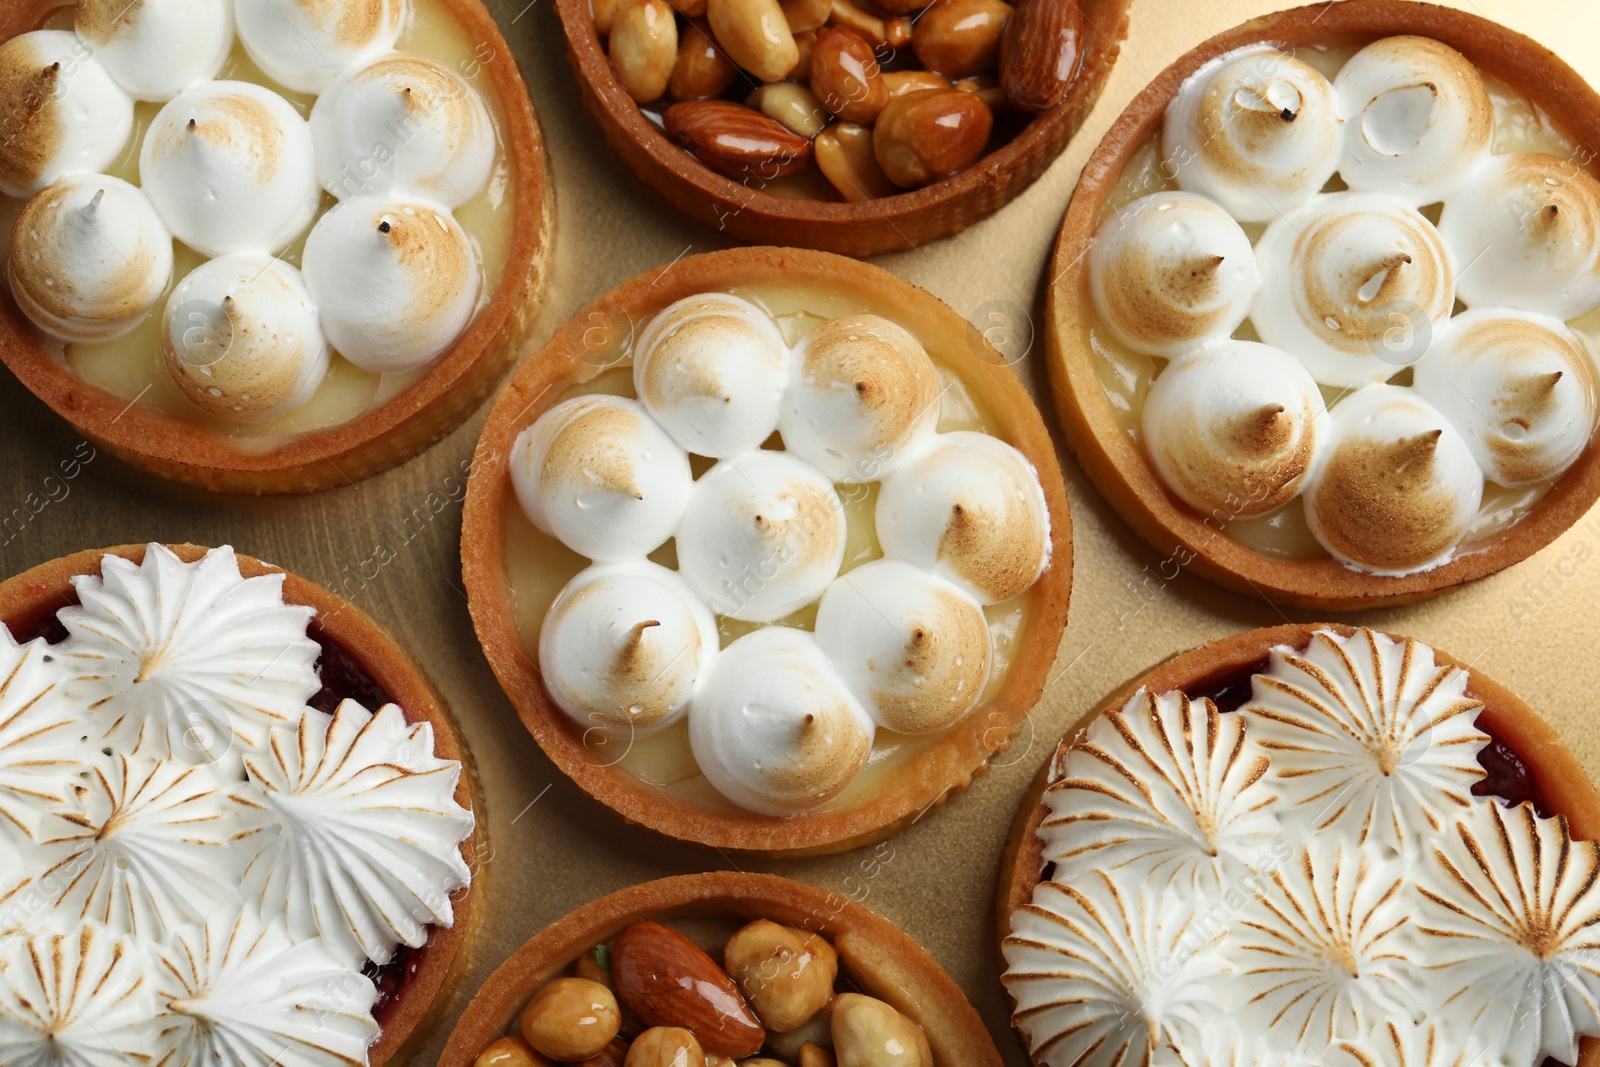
{"type": "Point", "coordinates": [1117, 463]}
{"type": "Point", "coordinates": [442, 963]}
{"type": "Point", "coordinates": [881, 960]}
{"type": "Point", "coordinates": [591, 342]}
{"type": "Point", "coordinates": [457, 383]}
{"type": "Point", "coordinates": [1556, 771]}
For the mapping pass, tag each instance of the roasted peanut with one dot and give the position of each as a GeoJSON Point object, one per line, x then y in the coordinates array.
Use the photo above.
{"type": "Point", "coordinates": [804, 15]}
{"type": "Point", "coordinates": [691, 8]}
{"type": "Point", "coordinates": [791, 104]}
{"type": "Point", "coordinates": [845, 157]}
{"type": "Point", "coordinates": [701, 70]}
{"type": "Point", "coordinates": [1040, 52]}
{"type": "Point", "coordinates": [921, 137]}
{"type": "Point", "coordinates": [845, 76]}
{"type": "Point", "coordinates": [786, 975]}
{"type": "Point", "coordinates": [804, 43]}
{"type": "Point", "coordinates": [755, 35]}
{"type": "Point", "coordinates": [605, 13]}
{"type": "Point", "coordinates": [510, 1052]}
{"type": "Point", "coordinates": [961, 37]}
{"type": "Point", "coordinates": [897, 32]}
{"type": "Point", "coordinates": [815, 1056]}
{"type": "Point", "coordinates": [737, 140]}
{"type": "Point", "coordinates": [901, 82]}
{"type": "Point", "coordinates": [570, 1019]}
{"type": "Point", "coordinates": [870, 1033]}
{"type": "Point", "coordinates": [644, 47]}
{"type": "Point", "coordinates": [665, 1046]}
{"type": "Point", "coordinates": [865, 23]}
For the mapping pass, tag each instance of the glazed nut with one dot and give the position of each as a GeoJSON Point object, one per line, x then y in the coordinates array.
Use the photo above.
{"type": "Point", "coordinates": [845, 157]}
{"type": "Point", "coordinates": [786, 975]}
{"type": "Point", "coordinates": [737, 141]}
{"type": "Point", "coordinates": [870, 1033]}
{"type": "Point", "coordinates": [589, 968]}
{"type": "Point", "coordinates": [901, 82]}
{"type": "Point", "coordinates": [845, 75]}
{"type": "Point", "coordinates": [570, 1019]}
{"type": "Point", "coordinates": [921, 137]}
{"type": "Point", "coordinates": [1040, 53]}
{"type": "Point", "coordinates": [805, 43]}
{"type": "Point", "coordinates": [961, 37]}
{"type": "Point", "coordinates": [818, 1030]}
{"type": "Point", "coordinates": [613, 1055]}
{"type": "Point", "coordinates": [804, 15]}
{"type": "Point", "coordinates": [668, 980]}
{"type": "Point", "coordinates": [605, 13]}
{"type": "Point", "coordinates": [987, 88]}
{"type": "Point", "coordinates": [864, 23]}
{"type": "Point", "coordinates": [791, 104]}
{"type": "Point", "coordinates": [644, 47]}
{"type": "Point", "coordinates": [510, 1052]}
{"type": "Point", "coordinates": [665, 1046]}
{"type": "Point", "coordinates": [903, 7]}
{"type": "Point", "coordinates": [815, 1056]}
{"type": "Point", "coordinates": [701, 70]}
{"type": "Point", "coordinates": [756, 36]}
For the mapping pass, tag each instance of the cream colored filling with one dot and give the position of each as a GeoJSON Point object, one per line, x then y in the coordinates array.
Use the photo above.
{"type": "Point", "coordinates": [537, 566]}
{"type": "Point", "coordinates": [1126, 375]}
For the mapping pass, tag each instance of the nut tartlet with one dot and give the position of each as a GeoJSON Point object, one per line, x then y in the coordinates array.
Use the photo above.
{"type": "Point", "coordinates": [632, 674]}
{"type": "Point", "coordinates": [1339, 769]}
{"type": "Point", "coordinates": [1382, 444]}
{"type": "Point", "coordinates": [877, 966]}
{"type": "Point", "coordinates": [210, 784]}
{"type": "Point", "coordinates": [156, 298]}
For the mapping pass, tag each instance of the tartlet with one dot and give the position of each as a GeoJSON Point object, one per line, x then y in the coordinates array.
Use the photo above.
{"type": "Point", "coordinates": [496, 535]}
{"type": "Point", "coordinates": [1101, 428]}
{"type": "Point", "coordinates": [357, 661]}
{"type": "Point", "coordinates": [377, 424]}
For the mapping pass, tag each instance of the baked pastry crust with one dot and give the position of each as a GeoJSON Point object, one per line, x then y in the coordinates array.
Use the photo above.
{"type": "Point", "coordinates": [883, 960]}
{"type": "Point", "coordinates": [29, 597]}
{"type": "Point", "coordinates": [1118, 465]}
{"type": "Point", "coordinates": [453, 387]}
{"type": "Point", "coordinates": [569, 358]}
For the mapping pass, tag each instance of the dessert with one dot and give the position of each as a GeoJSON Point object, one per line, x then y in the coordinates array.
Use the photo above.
{"type": "Point", "coordinates": [804, 641]}
{"type": "Point", "coordinates": [1326, 305]}
{"type": "Point", "coordinates": [235, 820]}
{"type": "Point", "coordinates": [265, 248]}
{"type": "Point", "coordinates": [1365, 849]}
{"type": "Point", "coordinates": [704, 969]}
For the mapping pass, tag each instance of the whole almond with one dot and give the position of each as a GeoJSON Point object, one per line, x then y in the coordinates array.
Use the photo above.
{"type": "Point", "coordinates": [643, 47]}
{"type": "Point", "coordinates": [736, 140]}
{"type": "Point", "coordinates": [1040, 53]}
{"type": "Point", "coordinates": [924, 136]}
{"type": "Point", "coordinates": [845, 75]}
{"type": "Point", "coordinates": [756, 36]}
{"type": "Point", "coordinates": [668, 980]}
{"type": "Point", "coordinates": [960, 37]}
{"type": "Point", "coordinates": [701, 70]}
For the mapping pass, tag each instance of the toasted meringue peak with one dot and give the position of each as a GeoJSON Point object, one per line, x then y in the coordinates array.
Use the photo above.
{"type": "Point", "coordinates": [363, 836]}
{"type": "Point", "coordinates": [1355, 285]}
{"type": "Point", "coordinates": [236, 991]}
{"type": "Point", "coordinates": [42, 745]}
{"type": "Point", "coordinates": [1519, 387]}
{"type": "Point", "coordinates": [597, 473]}
{"type": "Point", "coordinates": [228, 165]}
{"type": "Point", "coordinates": [155, 49]}
{"type": "Point", "coordinates": [913, 648]}
{"type": "Point", "coordinates": [864, 397]}
{"type": "Point", "coordinates": [65, 115]}
{"type": "Point", "coordinates": [712, 369]}
{"type": "Point", "coordinates": [1397, 487]}
{"type": "Point", "coordinates": [774, 728]}
{"type": "Point", "coordinates": [1256, 130]}
{"type": "Point", "coordinates": [763, 534]}
{"type": "Point", "coordinates": [1525, 231]}
{"type": "Point", "coordinates": [1418, 118]}
{"type": "Point", "coordinates": [1510, 924]}
{"type": "Point", "coordinates": [969, 508]}
{"type": "Point", "coordinates": [89, 258]}
{"type": "Point", "coordinates": [1102, 976]}
{"type": "Point", "coordinates": [1370, 738]}
{"type": "Point", "coordinates": [1165, 787]}
{"type": "Point", "coordinates": [241, 338]}
{"type": "Point", "coordinates": [1220, 1045]}
{"type": "Point", "coordinates": [1171, 272]}
{"type": "Point", "coordinates": [623, 646]}
{"type": "Point", "coordinates": [305, 44]}
{"type": "Point", "coordinates": [156, 646]}
{"type": "Point", "coordinates": [406, 124]}
{"type": "Point", "coordinates": [1234, 429]}
{"type": "Point", "coordinates": [80, 998]}
{"type": "Point", "coordinates": [395, 280]}
{"type": "Point", "coordinates": [1403, 1043]}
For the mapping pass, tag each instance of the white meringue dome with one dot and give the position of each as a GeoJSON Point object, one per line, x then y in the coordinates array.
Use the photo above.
{"type": "Point", "coordinates": [89, 258]}
{"type": "Point", "coordinates": [1255, 130]}
{"type": "Point", "coordinates": [229, 166]}
{"type": "Point", "coordinates": [863, 397]}
{"type": "Point", "coordinates": [1417, 116]}
{"type": "Point", "coordinates": [712, 370]}
{"type": "Point", "coordinates": [762, 536]}
{"type": "Point", "coordinates": [241, 338]}
{"type": "Point", "coordinates": [774, 729]}
{"type": "Point", "coordinates": [1397, 486]}
{"type": "Point", "coordinates": [598, 474]}
{"type": "Point", "coordinates": [913, 648]}
{"type": "Point", "coordinates": [1234, 428]}
{"type": "Point", "coordinates": [1528, 224]}
{"type": "Point", "coordinates": [305, 44]}
{"type": "Point", "coordinates": [405, 122]}
{"type": "Point", "coordinates": [77, 119]}
{"type": "Point", "coordinates": [1170, 272]}
{"type": "Point", "coordinates": [970, 509]}
{"type": "Point", "coordinates": [623, 645]}
{"type": "Point", "coordinates": [1519, 387]}
{"type": "Point", "coordinates": [1355, 284]}
{"type": "Point", "coordinates": [157, 48]}
{"type": "Point", "coordinates": [395, 280]}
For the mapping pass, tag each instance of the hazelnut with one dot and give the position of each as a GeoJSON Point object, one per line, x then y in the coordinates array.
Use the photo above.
{"type": "Point", "coordinates": [665, 1046]}
{"type": "Point", "coordinates": [787, 975]}
{"type": "Point", "coordinates": [510, 1052]}
{"type": "Point", "coordinates": [570, 1019]}
{"type": "Point", "coordinates": [870, 1033]}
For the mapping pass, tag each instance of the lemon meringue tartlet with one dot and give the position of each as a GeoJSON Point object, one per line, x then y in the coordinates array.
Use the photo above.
{"type": "Point", "coordinates": [774, 561]}
{"type": "Point", "coordinates": [1327, 305]}
{"type": "Point", "coordinates": [265, 246]}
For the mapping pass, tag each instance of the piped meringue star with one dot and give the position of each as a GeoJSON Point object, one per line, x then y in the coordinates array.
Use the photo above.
{"type": "Point", "coordinates": [1401, 1043]}
{"type": "Point", "coordinates": [42, 747]}
{"type": "Point", "coordinates": [78, 999]}
{"type": "Point", "coordinates": [1369, 738]}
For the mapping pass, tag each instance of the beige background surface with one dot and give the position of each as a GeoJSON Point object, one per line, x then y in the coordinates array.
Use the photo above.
{"type": "Point", "coordinates": [1533, 628]}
